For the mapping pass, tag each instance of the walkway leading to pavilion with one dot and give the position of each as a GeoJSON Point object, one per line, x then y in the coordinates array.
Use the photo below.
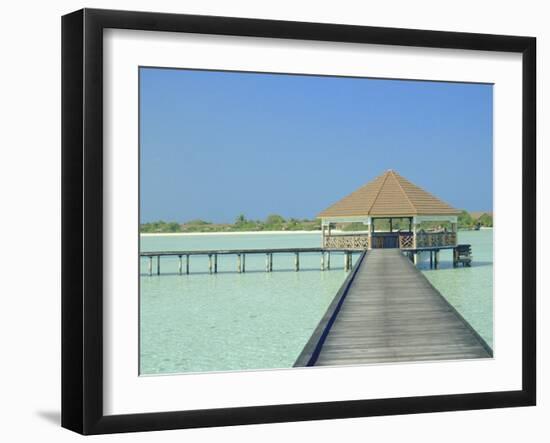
{"type": "Point", "coordinates": [387, 311]}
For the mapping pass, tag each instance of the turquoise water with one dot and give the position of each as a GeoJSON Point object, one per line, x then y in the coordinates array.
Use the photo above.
{"type": "Point", "coordinates": [469, 290]}
{"type": "Point", "coordinates": [258, 320]}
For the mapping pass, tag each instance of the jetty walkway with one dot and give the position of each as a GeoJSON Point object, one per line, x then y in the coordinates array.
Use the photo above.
{"type": "Point", "coordinates": [387, 311]}
{"type": "Point", "coordinates": [240, 254]}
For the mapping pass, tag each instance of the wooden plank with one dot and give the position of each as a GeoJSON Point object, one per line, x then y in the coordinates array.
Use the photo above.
{"type": "Point", "coordinates": [392, 313]}
{"type": "Point", "coordinates": [314, 344]}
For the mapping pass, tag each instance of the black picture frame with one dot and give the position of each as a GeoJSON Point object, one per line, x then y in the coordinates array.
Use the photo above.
{"type": "Point", "coordinates": [82, 215]}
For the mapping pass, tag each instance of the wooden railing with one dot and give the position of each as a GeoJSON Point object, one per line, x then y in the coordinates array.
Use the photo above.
{"type": "Point", "coordinates": [431, 239]}
{"type": "Point", "coordinates": [347, 241]}
{"type": "Point", "coordinates": [402, 240]}
{"type": "Point", "coordinates": [406, 241]}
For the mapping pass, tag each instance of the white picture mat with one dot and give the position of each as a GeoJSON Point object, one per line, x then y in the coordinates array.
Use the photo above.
{"type": "Point", "coordinates": [126, 392]}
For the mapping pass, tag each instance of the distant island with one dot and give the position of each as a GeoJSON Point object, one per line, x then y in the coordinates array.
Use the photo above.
{"type": "Point", "coordinates": [274, 222]}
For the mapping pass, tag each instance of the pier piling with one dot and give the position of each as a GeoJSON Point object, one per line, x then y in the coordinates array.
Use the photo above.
{"type": "Point", "coordinates": [324, 257]}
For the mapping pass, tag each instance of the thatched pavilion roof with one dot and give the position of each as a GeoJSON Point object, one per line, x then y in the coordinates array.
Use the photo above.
{"type": "Point", "coordinates": [388, 195]}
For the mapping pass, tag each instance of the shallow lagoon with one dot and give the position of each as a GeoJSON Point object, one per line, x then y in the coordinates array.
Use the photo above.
{"type": "Point", "coordinates": [258, 320]}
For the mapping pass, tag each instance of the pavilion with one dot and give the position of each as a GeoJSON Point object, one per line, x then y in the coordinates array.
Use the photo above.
{"type": "Point", "coordinates": [398, 202]}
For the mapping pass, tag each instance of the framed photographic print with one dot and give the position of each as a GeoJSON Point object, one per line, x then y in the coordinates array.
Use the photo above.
{"type": "Point", "coordinates": [269, 221]}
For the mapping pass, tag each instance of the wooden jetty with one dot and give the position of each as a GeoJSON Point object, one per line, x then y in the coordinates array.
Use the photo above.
{"type": "Point", "coordinates": [387, 311]}
{"type": "Point", "coordinates": [240, 254]}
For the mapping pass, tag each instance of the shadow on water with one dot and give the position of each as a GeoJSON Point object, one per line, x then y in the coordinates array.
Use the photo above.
{"type": "Point", "coordinates": [449, 265]}
{"type": "Point", "coordinates": [53, 417]}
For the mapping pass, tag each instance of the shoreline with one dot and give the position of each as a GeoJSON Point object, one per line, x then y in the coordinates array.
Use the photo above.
{"type": "Point", "coordinates": [182, 234]}
{"type": "Point", "coordinates": [185, 234]}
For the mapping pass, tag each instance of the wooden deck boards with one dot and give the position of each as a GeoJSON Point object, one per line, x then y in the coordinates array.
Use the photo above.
{"type": "Point", "coordinates": [391, 313]}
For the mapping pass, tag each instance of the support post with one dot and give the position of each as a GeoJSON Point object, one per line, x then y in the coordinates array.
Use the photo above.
{"type": "Point", "coordinates": [158, 264]}
{"type": "Point", "coordinates": [370, 233]}
{"type": "Point", "coordinates": [187, 264]}
{"type": "Point", "coordinates": [454, 227]}
{"type": "Point", "coordinates": [244, 262]}
{"type": "Point", "coordinates": [322, 260]}
{"type": "Point", "coordinates": [210, 263]}
{"type": "Point", "coordinates": [431, 260]}
{"type": "Point", "coordinates": [150, 265]}
{"type": "Point", "coordinates": [270, 262]}
{"type": "Point", "coordinates": [239, 270]}
{"type": "Point", "coordinates": [267, 262]}
{"type": "Point", "coordinates": [297, 261]}
{"type": "Point", "coordinates": [415, 258]}
{"type": "Point", "coordinates": [179, 265]}
{"type": "Point", "coordinates": [215, 263]}
{"type": "Point", "coordinates": [436, 259]}
{"type": "Point", "coordinates": [328, 260]}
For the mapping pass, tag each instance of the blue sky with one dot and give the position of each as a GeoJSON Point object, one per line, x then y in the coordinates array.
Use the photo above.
{"type": "Point", "coordinates": [218, 144]}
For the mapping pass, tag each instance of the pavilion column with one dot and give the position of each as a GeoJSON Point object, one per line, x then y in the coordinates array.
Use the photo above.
{"type": "Point", "coordinates": [414, 225]}
{"type": "Point", "coordinates": [454, 228]}
{"type": "Point", "coordinates": [370, 233]}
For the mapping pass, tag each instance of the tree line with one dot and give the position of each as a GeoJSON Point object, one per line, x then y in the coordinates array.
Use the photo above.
{"type": "Point", "coordinates": [273, 222]}
{"type": "Point", "coordinates": [276, 222]}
